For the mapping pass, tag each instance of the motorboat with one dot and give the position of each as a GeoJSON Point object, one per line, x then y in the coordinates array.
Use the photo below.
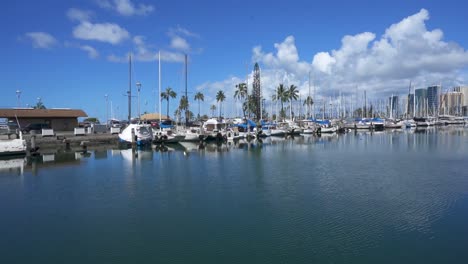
{"type": "Point", "coordinates": [143, 134]}
{"type": "Point", "coordinates": [214, 129]}
{"type": "Point", "coordinates": [16, 146]}
{"type": "Point", "coordinates": [167, 135]}
{"type": "Point", "coordinates": [193, 134]}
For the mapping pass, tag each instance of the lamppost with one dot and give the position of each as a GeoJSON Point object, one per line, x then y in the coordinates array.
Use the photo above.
{"type": "Point", "coordinates": [138, 85]}
{"type": "Point", "coordinates": [107, 109]}
{"type": "Point", "coordinates": [18, 95]}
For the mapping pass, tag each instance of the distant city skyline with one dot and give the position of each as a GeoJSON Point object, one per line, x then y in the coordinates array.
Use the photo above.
{"type": "Point", "coordinates": [73, 54]}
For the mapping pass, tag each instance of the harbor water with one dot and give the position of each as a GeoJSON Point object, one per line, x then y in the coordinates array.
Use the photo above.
{"type": "Point", "coordinates": [384, 197]}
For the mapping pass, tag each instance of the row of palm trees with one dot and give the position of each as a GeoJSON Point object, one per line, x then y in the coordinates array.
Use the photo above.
{"type": "Point", "coordinates": [282, 94]}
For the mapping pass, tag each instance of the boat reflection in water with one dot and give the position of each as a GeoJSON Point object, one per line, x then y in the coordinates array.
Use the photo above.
{"type": "Point", "coordinates": [12, 165]}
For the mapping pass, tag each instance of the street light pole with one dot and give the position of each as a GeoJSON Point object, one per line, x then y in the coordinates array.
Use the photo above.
{"type": "Point", "coordinates": [18, 95]}
{"type": "Point", "coordinates": [138, 85]}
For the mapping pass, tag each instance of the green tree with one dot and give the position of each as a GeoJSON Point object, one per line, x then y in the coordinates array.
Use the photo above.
{"type": "Point", "coordinates": [189, 115]}
{"type": "Point", "coordinates": [308, 102]}
{"type": "Point", "coordinates": [249, 104]}
{"type": "Point", "coordinates": [166, 95]}
{"type": "Point", "coordinates": [241, 94]}
{"type": "Point", "coordinates": [183, 106]}
{"type": "Point", "coordinates": [199, 97]}
{"type": "Point", "coordinates": [39, 105]}
{"type": "Point", "coordinates": [178, 114]}
{"type": "Point", "coordinates": [91, 120]}
{"type": "Point", "coordinates": [281, 94]}
{"type": "Point", "coordinates": [293, 94]}
{"type": "Point", "coordinates": [220, 97]}
{"type": "Point", "coordinates": [213, 109]}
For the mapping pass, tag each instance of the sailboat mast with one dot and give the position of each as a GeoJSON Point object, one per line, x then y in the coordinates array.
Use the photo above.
{"type": "Point", "coordinates": [159, 85]}
{"type": "Point", "coordinates": [129, 93]}
{"type": "Point", "coordinates": [408, 105]}
{"type": "Point", "coordinates": [186, 97]}
{"type": "Point", "coordinates": [365, 105]}
{"type": "Point", "coordinates": [307, 100]}
{"type": "Point", "coordinates": [314, 99]}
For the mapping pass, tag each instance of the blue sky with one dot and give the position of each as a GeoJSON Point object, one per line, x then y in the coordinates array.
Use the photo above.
{"type": "Point", "coordinates": [72, 53]}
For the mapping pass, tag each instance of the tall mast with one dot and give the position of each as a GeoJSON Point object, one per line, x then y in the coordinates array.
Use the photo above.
{"type": "Point", "coordinates": [308, 98]}
{"type": "Point", "coordinates": [159, 85]}
{"type": "Point", "coordinates": [186, 97]}
{"type": "Point", "coordinates": [260, 93]}
{"type": "Point", "coordinates": [247, 91]}
{"type": "Point", "coordinates": [408, 105]}
{"type": "Point", "coordinates": [365, 105]}
{"type": "Point", "coordinates": [314, 99]}
{"type": "Point", "coordinates": [129, 93]}
{"type": "Point", "coordinates": [414, 103]}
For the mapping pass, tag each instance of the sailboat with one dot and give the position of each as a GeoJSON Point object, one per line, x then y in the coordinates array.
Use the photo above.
{"type": "Point", "coordinates": [165, 134]}
{"type": "Point", "coordinates": [142, 132]}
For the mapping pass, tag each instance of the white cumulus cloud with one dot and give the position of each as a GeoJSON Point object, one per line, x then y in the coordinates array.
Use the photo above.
{"type": "Point", "coordinates": [75, 14]}
{"type": "Point", "coordinates": [407, 50]}
{"type": "Point", "coordinates": [147, 53]}
{"type": "Point", "coordinates": [126, 7]}
{"type": "Point", "coordinates": [286, 57]}
{"type": "Point", "coordinates": [179, 43]}
{"type": "Point", "coordinates": [381, 65]}
{"type": "Point", "coordinates": [92, 52]}
{"type": "Point", "coordinates": [104, 32]}
{"type": "Point", "coordinates": [41, 40]}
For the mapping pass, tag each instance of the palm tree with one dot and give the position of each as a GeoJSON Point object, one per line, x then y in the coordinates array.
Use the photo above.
{"type": "Point", "coordinates": [189, 115]}
{"type": "Point", "coordinates": [183, 106]}
{"type": "Point", "coordinates": [241, 93]}
{"type": "Point", "coordinates": [39, 105]}
{"type": "Point", "coordinates": [199, 97]}
{"type": "Point", "coordinates": [273, 99]}
{"type": "Point", "coordinates": [293, 94]}
{"type": "Point", "coordinates": [169, 93]}
{"type": "Point", "coordinates": [220, 97]}
{"type": "Point", "coordinates": [178, 114]}
{"type": "Point", "coordinates": [282, 96]}
{"type": "Point", "coordinates": [213, 109]}
{"type": "Point", "coordinates": [308, 102]}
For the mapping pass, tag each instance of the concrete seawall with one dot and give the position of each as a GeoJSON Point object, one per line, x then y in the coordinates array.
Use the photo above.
{"type": "Point", "coordinates": [68, 140]}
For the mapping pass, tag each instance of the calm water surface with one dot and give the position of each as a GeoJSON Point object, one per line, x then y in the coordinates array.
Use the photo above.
{"type": "Point", "coordinates": [393, 197]}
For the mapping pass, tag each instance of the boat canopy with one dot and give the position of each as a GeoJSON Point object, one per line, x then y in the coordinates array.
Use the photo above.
{"type": "Point", "coordinates": [320, 122]}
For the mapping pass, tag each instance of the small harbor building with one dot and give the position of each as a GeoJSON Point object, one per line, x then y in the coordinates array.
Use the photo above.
{"type": "Point", "coordinates": [59, 119]}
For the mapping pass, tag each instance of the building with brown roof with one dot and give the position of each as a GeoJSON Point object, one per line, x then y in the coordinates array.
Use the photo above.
{"type": "Point", "coordinates": [57, 119]}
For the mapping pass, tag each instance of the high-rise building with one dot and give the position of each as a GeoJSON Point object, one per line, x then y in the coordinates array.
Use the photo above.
{"type": "Point", "coordinates": [420, 101]}
{"type": "Point", "coordinates": [464, 91]}
{"type": "Point", "coordinates": [410, 105]}
{"type": "Point", "coordinates": [464, 105]}
{"type": "Point", "coordinates": [433, 103]}
{"type": "Point", "coordinates": [451, 103]}
{"type": "Point", "coordinates": [393, 106]}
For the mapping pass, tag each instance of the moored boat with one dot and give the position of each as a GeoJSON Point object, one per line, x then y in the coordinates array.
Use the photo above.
{"type": "Point", "coordinates": [16, 146]}
{"type": "Point", "coordinates": [142, 132]}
